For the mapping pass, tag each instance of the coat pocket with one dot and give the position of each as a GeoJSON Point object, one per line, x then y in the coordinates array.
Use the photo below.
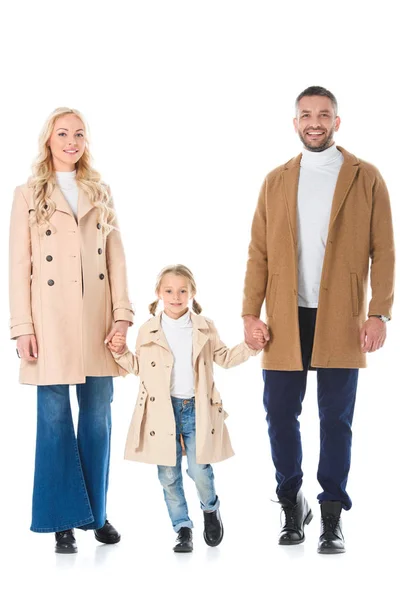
{"type": "Point", "coordinates": [271, 295]}
{"type": "Point", "coordinates": [215, 397]}
{"type": "Point", "coordinates": [138, 417]}
{"type": "Point", "coordinates": [354, 294]}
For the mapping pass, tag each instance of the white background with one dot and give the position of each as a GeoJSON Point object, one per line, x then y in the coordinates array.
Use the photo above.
{"type": "Point", "coordinates": [190, 104]}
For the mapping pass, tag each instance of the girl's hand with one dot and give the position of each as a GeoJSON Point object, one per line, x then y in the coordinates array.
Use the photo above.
{"type": "Point", "coordinates": [118, 343]}
{"type": "Point", "coordinates": [27, 347]}
{"type": "Point", "coordinates": [120, 327]}
{"type": "Point", "coordinates": [259, 336]}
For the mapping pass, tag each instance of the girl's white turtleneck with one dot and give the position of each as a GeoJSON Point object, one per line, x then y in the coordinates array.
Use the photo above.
{"type": "Point", "coordinates": [179, 334]}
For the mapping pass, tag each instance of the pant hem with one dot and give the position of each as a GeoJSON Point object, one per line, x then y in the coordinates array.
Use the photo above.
{"type": "Point", "coordinates": [184, 524]}
{"type": "Point", "coordinates": [61, 527]}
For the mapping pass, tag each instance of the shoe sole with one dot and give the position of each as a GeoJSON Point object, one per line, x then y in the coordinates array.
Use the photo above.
{"type": "Point", "coordinates": [183, 551]}
{"type": "Point", "coordinates": [66, 550]}
{"type": "Point", "coordinates": [214, 544]}
{"type": "Point", "coordinates": [104, 541]}
{"type": "Point", "coordinates": [306, 521]}
{"type": "Point", "coordinates": [331, 551]}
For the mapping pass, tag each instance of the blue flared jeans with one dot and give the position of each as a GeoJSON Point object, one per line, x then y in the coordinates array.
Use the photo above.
{"type": "Point", "coordinates": [71, 471]}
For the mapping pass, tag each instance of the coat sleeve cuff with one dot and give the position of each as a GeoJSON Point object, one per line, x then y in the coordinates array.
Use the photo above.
{"type": "Point", "coordinates": [251, 351]}
{"type": "Point", "coordinates": [251, 309]}
{"type": "Point", "coordinates": [22, 329]}
{"type": "Point", "coordinates": [123, 314]}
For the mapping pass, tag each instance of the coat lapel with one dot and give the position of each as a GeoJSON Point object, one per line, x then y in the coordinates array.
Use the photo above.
{"type": "Point", "coordinates": [344, 182]}
{"type": "Point", "coordinates": [200, 335]}
{"type": "Point", "coordinates": [60, 201]}
{"type": "Point", "coordinates": [290, 177]}
{"type": "Point", "coordinates": [84, 204]}
{"type": "Point", "coordinates": [154, 333]}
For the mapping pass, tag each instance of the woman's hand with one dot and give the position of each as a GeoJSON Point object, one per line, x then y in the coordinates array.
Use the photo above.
{"type": "Point", "coordinates": [119, 327]}
{"type": "Point", "coordinates": [118, 343]}
{"type": "Point", "coordinates": [27, 347]}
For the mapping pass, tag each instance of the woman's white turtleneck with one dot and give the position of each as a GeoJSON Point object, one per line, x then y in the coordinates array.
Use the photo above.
{"type": "Point", "coordinates": [67, 183]}
{"type": "Point", "coordinates": [179, 334]}
{"type": "Point", "coordinates": [318, 176]}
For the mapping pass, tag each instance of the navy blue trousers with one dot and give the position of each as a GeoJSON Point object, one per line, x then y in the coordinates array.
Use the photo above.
{"type": "Point", "coordinates": [283, 396]}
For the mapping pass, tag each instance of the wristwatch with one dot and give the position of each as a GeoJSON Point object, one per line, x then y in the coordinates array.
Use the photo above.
{"type": "Point", "coordinates": [383, 318]}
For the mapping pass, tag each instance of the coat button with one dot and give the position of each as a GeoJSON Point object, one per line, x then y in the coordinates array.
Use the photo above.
{"type": "Point", "coordinates": [49, 258]}
{"type": "Point", "coordinates": [98, 226]}
{"type": "Point", "coordinates": [152, 433]}
{"type": "Point", "coordinates": [45, 207]}
{"type": "Point", "coordinates": [50, 282]}
{"type": "Point", "coordinates": [212, 430]}
{"type": "Point", "coordinates": [48, 232]}
{"type": "Point", "coordinates": [152, 398]}
{"type": "Point", "coordinates": [153, 364]}
{"type": "Point", "coordinates": [220, 409]}
{"type": "Point", "coordinates": [101, 276]}
{"type": "Point", "coordinates": [100, 251]}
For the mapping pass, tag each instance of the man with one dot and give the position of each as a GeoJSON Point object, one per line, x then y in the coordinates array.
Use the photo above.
{"type": "Point", "coordinates": [320, 218]}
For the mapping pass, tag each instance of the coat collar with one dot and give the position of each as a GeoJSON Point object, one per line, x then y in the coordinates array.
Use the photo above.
{"type": "Point", "coordinates": [84, 204]}
{"type": "Point", "coordinates": [290, 176]}
{"type": "Point", "coordinates": [152, 332]}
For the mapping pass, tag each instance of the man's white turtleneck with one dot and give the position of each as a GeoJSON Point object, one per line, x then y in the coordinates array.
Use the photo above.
{"type": "Point", "coordinates": [318, 176]}
{"type": "Point", "coordinates": [179, 334]}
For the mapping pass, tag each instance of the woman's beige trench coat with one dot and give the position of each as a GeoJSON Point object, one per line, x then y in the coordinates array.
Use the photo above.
{"type": "Point", "coordinates": [67, 286]}
{"type": "Point", "coordinates": [360, 239]}
{"type": "Point", "coordinates": [152, 436]}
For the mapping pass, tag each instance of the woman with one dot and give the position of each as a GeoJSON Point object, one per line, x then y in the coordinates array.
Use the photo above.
{"type": "Point", "coordinates": [68, 293]}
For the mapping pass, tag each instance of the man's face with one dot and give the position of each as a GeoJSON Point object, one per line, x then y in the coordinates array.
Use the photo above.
{"type": "Point", "coordinates": [316, 122]}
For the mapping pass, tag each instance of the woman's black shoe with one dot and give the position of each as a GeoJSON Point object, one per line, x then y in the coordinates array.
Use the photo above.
{"type": "Point", "coordinates": [65, 542]}
{"type": "Point", "coordinates": [107, 534]}
{"type": "Point", "coordinates": [184, 540]}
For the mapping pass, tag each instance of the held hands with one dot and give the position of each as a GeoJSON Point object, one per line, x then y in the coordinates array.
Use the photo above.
{"type": "Point", "coordinates": [120, 327]}
{"type": "Point", "coordinates": [27, 347]}
{"type": "Point", "coordinates": [256, 332]}
{"type": "Point", "coordinates": [373, 335]}
{"type": "Point", "coordinates": [118, 343]}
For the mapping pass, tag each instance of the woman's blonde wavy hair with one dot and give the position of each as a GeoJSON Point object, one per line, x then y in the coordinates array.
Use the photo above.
{"type": "Point", "coordinates": [181, 271]}
{"type": "Point", "coordinates": [43, 179]}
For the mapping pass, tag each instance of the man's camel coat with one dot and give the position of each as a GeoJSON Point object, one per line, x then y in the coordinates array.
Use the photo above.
{"type": "Point", "coordinates": [360, 241]}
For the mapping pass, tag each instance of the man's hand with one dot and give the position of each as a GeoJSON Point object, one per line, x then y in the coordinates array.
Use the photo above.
{"type": "Point", "coordinates": [373, 334]}
{"type": "Point", "coordinates": [27, 347]}
{"type": "Point", "coordinates": [252, 328]}
{"type": "Point", "coordinates": [119, 327]}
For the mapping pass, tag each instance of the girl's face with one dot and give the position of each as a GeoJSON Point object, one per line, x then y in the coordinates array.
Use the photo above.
{"type": "Point", "coordinates": [175, 292]}
{"type": "Point", "coordinates": [67, 142]}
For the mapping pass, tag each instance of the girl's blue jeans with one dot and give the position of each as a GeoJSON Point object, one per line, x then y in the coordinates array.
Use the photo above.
{"type": "Point", "coordinates": [202, 475]}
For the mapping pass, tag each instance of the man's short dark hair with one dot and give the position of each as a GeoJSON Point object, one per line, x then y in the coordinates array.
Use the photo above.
{"type": "Point", "coordinates": [316, 90]}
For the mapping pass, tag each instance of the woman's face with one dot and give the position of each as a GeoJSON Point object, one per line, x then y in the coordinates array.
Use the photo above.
{"type": "Point", "coordinates": [67, 142]}
{"type": "Point", "coordinates": [175, 293]}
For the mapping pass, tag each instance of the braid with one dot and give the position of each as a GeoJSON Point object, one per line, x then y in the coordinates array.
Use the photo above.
{"type": "Point", "coordinates": [153, 307]}
{"type": "Point", "coordinates": [196, 307]}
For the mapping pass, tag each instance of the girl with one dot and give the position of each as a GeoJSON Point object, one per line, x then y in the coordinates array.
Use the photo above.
{"type": "Point", "coordinates": [68, 290]}
{"type": "Point", "coordinates": [179, 408]}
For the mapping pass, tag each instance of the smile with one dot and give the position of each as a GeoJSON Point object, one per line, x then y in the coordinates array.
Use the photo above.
{"type": "Point", "coordinates": [71, 151]}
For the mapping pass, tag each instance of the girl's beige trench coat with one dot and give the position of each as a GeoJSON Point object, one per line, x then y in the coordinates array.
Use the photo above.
{"type": "Point", "coordinates": [67, 285]}
{"type": "Point", "coordinates": [152, 436]}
